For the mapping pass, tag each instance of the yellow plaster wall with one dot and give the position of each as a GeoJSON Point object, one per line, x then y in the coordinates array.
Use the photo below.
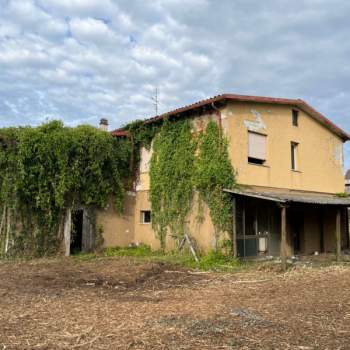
{"type": "Point", "coordinates": [319, 151]}
{"type": "Point", "coordinates": [118, 230]}
{"type": "Point", "coordinates": [202, 232]}
{"type": "Point", "coordinates": [144, 232]}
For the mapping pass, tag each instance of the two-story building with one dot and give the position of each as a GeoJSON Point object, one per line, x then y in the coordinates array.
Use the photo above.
{"type": "Point", "coordinates": [289, 163]}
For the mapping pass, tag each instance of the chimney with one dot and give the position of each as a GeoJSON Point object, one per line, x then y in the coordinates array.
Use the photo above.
{"type": "Point", "coordinates": [104, 124]}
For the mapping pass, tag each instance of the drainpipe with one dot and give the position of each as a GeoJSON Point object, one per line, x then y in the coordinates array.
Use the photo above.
{"type": "Point", "coordinates": [218, 116]}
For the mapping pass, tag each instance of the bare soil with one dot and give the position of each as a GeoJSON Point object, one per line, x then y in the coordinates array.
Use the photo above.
{"type": "Point", "coordinates": [126, 303]}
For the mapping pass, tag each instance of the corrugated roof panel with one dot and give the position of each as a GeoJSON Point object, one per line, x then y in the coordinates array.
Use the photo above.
{"type": "Point", "coordinates": [294, 196]}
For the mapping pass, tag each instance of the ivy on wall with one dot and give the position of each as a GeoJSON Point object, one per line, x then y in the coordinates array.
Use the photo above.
{"type": "Point", "coordinates": [213, 173]}
{"type": "Point", "coordinates": [171, 178]}
{"type": "Point", "coordinates": [45, 170]}
{"type": "Point", "coordinates": [182, 164]}
{"type": "Point", "coordinates": [140, 135]}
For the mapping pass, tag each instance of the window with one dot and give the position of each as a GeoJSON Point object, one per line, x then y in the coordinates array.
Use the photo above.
{"type": "Point", "coordinates": [294, 155]}
{"type": "Point", "coordinates": [256, 148]}
{"type": "Point", "coordinates": [295, 115]}
{"type": "Point", "coordinates": [145, 216]}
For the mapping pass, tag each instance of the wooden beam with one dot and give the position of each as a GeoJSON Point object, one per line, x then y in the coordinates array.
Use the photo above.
{"type": "Point", "coordinates": [321, 221]}
{"type": "Point", "coordinates": [234, 227]}
{"type": "Point", "coordinates": [283, 237]}
{"type": "Point", "coordinates": [67, 231]}
{"type": "Point", "coordinates": [338, 233]}
{"type": "Point", "coordinates": [8, 229]}
{"type": "Point", "coordinates": [243, 225]}
{"type": "Point", "coordinates": [346, 212]}
{"type": "Point", "coordinates": [255, 195]}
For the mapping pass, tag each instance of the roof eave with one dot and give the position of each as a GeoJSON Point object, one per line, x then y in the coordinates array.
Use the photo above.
{"type": "Point", "coordinates": [299, 103]}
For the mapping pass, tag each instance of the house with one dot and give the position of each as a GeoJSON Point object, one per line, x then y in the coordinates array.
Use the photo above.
{"type": "Point", "coordinates": [289, 163]}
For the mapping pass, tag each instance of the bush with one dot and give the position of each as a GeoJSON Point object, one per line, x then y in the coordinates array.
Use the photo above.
{"type": "Point", "coordinates": [139, 251]}
{"type": "Point", "coordinates": [218, 261]}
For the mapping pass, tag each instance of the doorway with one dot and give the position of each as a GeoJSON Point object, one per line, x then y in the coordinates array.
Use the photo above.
{"type": "Point", "coordinates": [296, 226]}
{"type": "Point", "coordinates": [76, 242]}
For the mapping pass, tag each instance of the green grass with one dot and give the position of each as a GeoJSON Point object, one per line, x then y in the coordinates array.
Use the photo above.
{"type": "Point", "coordinates": [213, 261]}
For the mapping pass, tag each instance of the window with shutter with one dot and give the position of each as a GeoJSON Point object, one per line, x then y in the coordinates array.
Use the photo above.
{"type": "Point", "coordinates": [256, 148]}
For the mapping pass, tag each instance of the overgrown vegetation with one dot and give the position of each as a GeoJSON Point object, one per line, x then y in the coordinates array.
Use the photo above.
{"type": "Point", "coordinates": [342, 194]}
{"type": "Point", "coordinates": [213, 173]}
{"type": "Point", "coordinates": [140, 135]}
{"type": "Point", "coordinates": [183, 163]}
{"type": "Point", "coordinates": [49, 168]}
{"type": "Point", "coordinates": [171, 178]}
{"type": "Point", "coordinates": [213, 261]}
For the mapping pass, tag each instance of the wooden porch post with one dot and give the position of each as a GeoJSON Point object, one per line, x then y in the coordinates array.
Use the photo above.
{"type": "Point", "coordinates": [338, 233]}
{"type": "Point", "coordinates": [67, 231]}
{"type": "Point", "coordinates": [283, 237]}
{"type": "Point", "coordinates": [346, 213]}
{"type": "Point", "coordinates": [234, 228]}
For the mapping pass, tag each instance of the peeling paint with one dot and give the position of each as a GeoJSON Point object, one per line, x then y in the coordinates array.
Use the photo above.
{"type": "Point", "coordinates": [338, 154]}
{"type": "Point", "coordinates": [145, 159]}
{"type": "Point", "coordinates": [256, 125]}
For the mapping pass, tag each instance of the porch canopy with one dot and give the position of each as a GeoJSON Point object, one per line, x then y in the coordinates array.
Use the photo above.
{"type": "Point", "coordinates": [290, 198]}
{"type": "Point", "coordinates": [293, 196]}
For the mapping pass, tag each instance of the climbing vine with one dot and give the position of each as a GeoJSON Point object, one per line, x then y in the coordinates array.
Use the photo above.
{"type": "Point", "coordinates": [171, 175]}
{"type": "Point", "coordinates": [140, 135]}
{"type": "Point", "coordinates": [213, 173]}
{"type": "Point", "coordinates": [182, 164]}
{"type": "Point", "coordinates": [49, 168]}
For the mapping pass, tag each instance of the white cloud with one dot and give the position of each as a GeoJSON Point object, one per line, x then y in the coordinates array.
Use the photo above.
{"type": "Point", "coordinates": [90, 30]}
{"type": "Point", "coordinates": [81, 59]}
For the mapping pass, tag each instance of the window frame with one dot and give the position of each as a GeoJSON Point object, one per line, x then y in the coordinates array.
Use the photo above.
{"type": "Point", "coordinates": [143, 216]}
{"type": "Point", "coordinates": [254, 160]}
{"type": "Point", "coordinates": [295, 117]}
{"type": "Point", "coordinates": [294, 164]}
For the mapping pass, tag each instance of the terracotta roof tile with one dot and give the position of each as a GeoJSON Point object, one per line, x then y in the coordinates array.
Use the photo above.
{"type": "Point", "coordinates": [257, 99]}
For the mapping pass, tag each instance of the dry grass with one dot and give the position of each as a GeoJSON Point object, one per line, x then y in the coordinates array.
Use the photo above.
{"type": "Point", "coordinates": [128, 303]}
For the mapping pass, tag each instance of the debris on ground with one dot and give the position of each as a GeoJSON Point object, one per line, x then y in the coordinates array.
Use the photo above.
{"type": "Point", "coordinates": [129, 303]}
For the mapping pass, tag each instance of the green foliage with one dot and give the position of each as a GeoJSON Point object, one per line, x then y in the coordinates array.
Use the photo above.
{"type": "Point", "coordinates": [140, 251]}
{"type": "Point", "coordinates": [176, 172]}
{"type": "Point", "coordinates": [171, 174]}
{"type": "Point", "coordinates": [142, 134]}
{"type": "Point", "coordinates": [214, 172]}
{"type": "Point", "coordinates": [342, 195]}
{"type": "Point", "coordinates": [217, 261]}
{"type": "Point", "coordinates": [213, 261]}
{"type": "Point", "coordinates": [52, 167]}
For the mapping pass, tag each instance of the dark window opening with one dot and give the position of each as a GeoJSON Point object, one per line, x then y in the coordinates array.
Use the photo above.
{"type": "Point", "coordinates": [295, 115]}
{"type": "Point", "coordinates": [255, 160]}
{"type": "Point", "coordinates": [76, 238]}
{"type": "Point", "coordinates": [145, 216]}
{"type": "Point", "coordinates": [293, 150]}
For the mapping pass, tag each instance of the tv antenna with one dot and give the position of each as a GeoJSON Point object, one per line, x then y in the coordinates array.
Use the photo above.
{"type": "Point", "coordinates": [155, 100]}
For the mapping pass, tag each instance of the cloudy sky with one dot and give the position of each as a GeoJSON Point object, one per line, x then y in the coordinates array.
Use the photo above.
{"type": "Point", "coordinates": [80, 60]}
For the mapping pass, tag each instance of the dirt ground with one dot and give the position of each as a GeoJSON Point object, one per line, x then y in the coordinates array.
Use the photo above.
{"type": "Point", "coordinates": [123, 303]}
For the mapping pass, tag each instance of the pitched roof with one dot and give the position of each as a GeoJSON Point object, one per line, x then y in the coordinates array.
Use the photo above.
{"type": "Point", "coordinates": [302, 105]}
